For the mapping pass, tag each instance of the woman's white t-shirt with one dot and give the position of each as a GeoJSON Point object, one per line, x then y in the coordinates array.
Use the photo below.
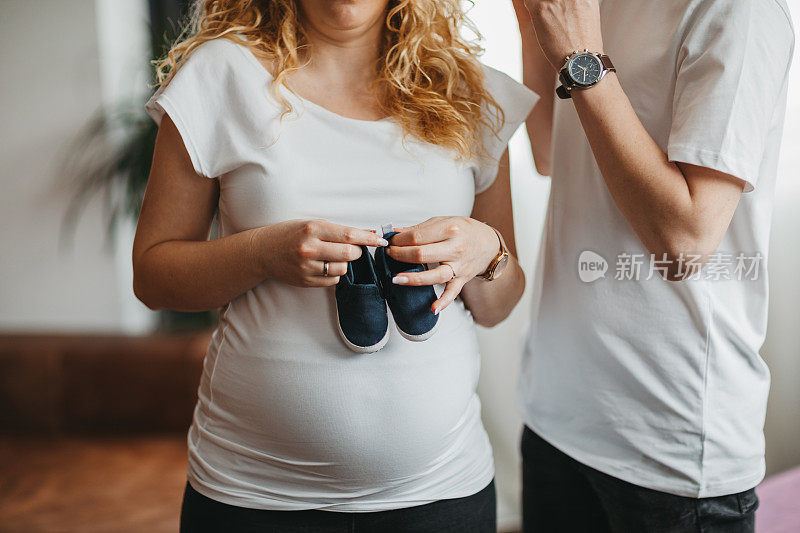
{"type": "Point", "coordinates": [287, 417]}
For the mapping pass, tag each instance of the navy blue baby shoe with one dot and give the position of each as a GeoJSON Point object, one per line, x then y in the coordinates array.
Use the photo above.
{"type": "Point", "coordinates": [410, 305]}
{"type": "Point", "coordinates": [360, 307]}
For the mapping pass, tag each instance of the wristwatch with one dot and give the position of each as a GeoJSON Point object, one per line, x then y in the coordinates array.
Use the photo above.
{"type": "Point", "coordinates": [582, 70]}
{"type": "Point", "coordinates": [499, 262]}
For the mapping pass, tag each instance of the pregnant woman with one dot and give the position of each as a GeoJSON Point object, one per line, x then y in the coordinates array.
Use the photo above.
{"type": "Point", "coordinates": [304, 126]}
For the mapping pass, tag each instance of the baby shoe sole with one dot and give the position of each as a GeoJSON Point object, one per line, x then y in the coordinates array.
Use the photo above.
{"type": "Point", "coordinates": [418, 338]}
{"type": "Point", "coordinates": [362, 349]}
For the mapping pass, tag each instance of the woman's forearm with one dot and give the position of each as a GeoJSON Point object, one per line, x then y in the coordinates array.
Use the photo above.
{"type": "Point", "coordinates": [198, 275]}
{"type": "Point", "coordinates": [490, 302]}
{"type": "Point", "coordinates": [187, 275]}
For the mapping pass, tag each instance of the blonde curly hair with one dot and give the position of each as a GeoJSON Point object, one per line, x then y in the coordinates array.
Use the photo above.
{"type": "Point", "coordinates": [428, 78]}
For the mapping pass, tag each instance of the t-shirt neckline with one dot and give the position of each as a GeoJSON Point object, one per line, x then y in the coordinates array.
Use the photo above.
{"type": "Point", "coordinates": [308, 104]}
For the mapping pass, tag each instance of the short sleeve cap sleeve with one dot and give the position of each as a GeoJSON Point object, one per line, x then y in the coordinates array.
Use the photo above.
{"type": "Point", "coordinates": [196, 100]}
{"type": "Point", "coordinates": [516, 101]}
{"type": "Point", "coordinates": [731, 73]}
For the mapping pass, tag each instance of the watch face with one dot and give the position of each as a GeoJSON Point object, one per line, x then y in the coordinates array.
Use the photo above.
{"type": "Point", "coordinates": [585, 69]}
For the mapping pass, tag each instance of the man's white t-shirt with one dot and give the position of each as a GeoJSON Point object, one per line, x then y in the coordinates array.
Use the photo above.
{"type": "Point", "coordinates": [654, 382]}
{"type": "Point", "coordinates": [287, 416]}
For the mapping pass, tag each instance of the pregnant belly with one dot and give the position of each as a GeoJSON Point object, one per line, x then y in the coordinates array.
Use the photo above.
{"type": "Point", "coordinates": [353, 421]}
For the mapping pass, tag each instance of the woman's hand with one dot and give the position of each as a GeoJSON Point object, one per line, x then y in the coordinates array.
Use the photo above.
{"type": "Point", "coordinates": [295, 251]}
{"type": "Point", "coordinates": [464, 246]}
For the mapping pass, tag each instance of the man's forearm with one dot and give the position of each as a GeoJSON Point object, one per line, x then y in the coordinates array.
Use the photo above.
{"type": "Point", "coordinates": [538, 76]}
{"type": "Point", "coordinates": [651, 192]}
{"type": "Point", "coordinates": [674, 208]}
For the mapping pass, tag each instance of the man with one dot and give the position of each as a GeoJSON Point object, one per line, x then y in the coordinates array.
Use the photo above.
{"type": "Point", "coordinates": [642, 388]}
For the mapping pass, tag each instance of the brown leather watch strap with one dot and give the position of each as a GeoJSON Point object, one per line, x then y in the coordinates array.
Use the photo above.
{"type": "Point", "coordinates": [607, 64]}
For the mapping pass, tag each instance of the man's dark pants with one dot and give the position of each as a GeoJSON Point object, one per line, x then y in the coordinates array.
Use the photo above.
{"type": "Point", "coordinates": [561, 495]}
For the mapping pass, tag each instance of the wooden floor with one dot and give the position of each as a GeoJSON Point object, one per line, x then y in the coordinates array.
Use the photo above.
{"type": "Point", "coordinates": [93, 485]}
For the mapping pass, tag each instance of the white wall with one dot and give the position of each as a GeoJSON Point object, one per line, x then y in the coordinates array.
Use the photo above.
{"type": "Point", "coordinates": [51, 86]}
{"type": "Point", "coordinates": [54, 79]}
{"type": "Point", "coordinates": [124, 46]}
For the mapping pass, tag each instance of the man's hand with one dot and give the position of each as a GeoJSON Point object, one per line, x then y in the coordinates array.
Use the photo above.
{"type": "Point", "coordinates": [563, 26]}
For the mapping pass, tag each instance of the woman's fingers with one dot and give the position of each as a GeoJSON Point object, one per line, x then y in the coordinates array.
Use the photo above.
{"type": "Point", "coordinates": [432, 220]}
{"type": "Point", "coordinates": [333, 251]}
{"type": "Point", "coordinates": [315, 270]}
{"type": "Point", "coordinates": [440, 274]}
{"type": "Point", "coordinates": [330, 232]}
{"type": "Point", "coordinates": [321, 281]}
{"type": "Point", "coordinates": [335, 268]}
{"type": "Point", "coordinates": [428, 253]}
{"type": "Point", "coordinates": [432, 230]}
{"type": "Point", "coordinates": [451, 291]}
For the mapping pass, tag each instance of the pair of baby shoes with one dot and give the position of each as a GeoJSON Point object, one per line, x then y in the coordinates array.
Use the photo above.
{"type": "Point", "coordinates": [364, 292]}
